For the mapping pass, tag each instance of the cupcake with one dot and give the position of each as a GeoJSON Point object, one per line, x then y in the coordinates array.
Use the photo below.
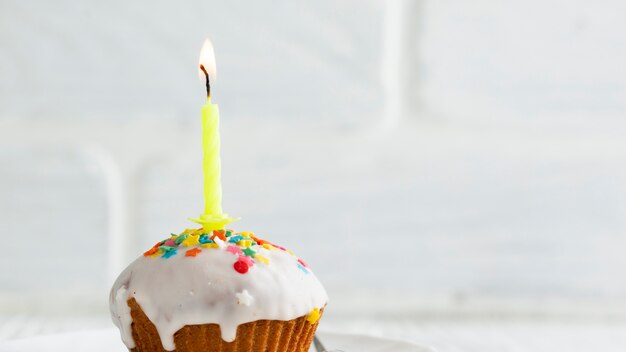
{"type": "Point", "coordinates": [217, 291]}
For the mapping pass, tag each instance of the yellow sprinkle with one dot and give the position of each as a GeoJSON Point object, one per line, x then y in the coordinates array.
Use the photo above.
{"type": "Point", "coordinates": [246, 234]}
{"type": "Point", "coordinates": [314, 316]}
{"type": "Point", "coordinates": [188, 231]}
{"type": "Point", "coordinates": [262, 259]}
{"type": "Point", "coordinates": [268, 246]}
{"type": "Point", "coordinates": [245, 243]}
{"type": "Point", "coordinates": [198, 232]}
{"type": "Point", "coordinates": [292, 253]}
{"type": "Point", "coordinates": [210, 245]}
{"type": "Point", "coordinates": [191, 240]}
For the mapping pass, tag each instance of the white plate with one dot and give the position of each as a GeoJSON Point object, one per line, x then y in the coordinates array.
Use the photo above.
{"type": "Point", "coordinates": [109, 341]}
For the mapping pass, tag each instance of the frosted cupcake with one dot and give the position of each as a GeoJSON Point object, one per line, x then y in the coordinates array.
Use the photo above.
{"type": "Point", "coordinates": [219, 291]}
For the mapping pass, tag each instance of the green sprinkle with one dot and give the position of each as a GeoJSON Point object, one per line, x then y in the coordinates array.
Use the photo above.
{"type": "Point", "coordinates": [249, 252]}
{"type": "Point", "coordinates": [180, 238]}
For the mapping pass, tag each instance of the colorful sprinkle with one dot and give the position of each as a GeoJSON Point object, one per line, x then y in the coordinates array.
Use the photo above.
{"type": "Point", "coordinates": [313, 316]}
{"type": "Point", "coordinates": [205, 239]}
{"type": "Point", "coordinates": [219, 234]}
{"type": "Point", "coordinates": [248, 260]}
{"type": "Point", "coordinates": [169, 253]}
{"type": "Point", "coordinates": [193, 252]}
{"type": "Point", "coordinates": [268, 246]}
{"type": "Point", "coordinates": [259, 241]}
{"type": "Point", "coordinates": [245, 243]}
{"type": "Point", "coordinates": [151, 251]}
{"type": "Point", "coordinates": [302, 268]}
{"type": "Point", "coordinates": [262, 259]}
{"type": "Point", "coordinates": [191, 241]}
{"type": "Point", "coordinates": [235, 239]}
{"type": "Point", "coordinates": [167, 248]}
{"type": "Point", "coordinates": [181, 238]}
{"type": "Point", "coordinates": [241, 266]}
{"type": "Point", "coordinates": [234, 250]}
{"type": "Point", "coordinates": [249, 252]}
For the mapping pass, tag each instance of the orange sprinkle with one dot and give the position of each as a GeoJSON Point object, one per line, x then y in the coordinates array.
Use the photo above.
{"type": "Point", "coordinates": [151, 251]}
{"type": "Point", "coordinates": [193, 252]}
{"type": "Point", "coordinates": [220, 234]}
{"type": "Point", "coordinates": [257, 240]}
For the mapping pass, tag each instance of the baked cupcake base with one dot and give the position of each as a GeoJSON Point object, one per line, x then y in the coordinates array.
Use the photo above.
{"type": "Point", "coordinates": [293, 335]}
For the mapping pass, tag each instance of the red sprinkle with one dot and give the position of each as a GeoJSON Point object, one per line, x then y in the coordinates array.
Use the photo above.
{"type": "Point", "coordinates": [241, 266]}
{"type": "Point", "coordinates": [303, 263]}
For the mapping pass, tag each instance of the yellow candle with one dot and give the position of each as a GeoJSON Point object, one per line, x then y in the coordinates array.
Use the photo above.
{"type": "Point", "coordinates": [211, 164]}
{"type": "Point", "coordinates": [213, 218]}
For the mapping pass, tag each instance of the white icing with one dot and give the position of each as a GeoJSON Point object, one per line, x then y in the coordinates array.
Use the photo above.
{"type": "Point", "coordinates": [206, 289]}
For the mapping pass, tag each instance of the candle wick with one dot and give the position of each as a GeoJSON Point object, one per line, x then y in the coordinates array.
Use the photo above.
{"type": "Point", "coordinates": [208, 84]}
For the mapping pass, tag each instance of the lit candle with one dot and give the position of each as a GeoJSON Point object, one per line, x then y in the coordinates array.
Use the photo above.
{"type": "Point", "coordinates": [212, 218]}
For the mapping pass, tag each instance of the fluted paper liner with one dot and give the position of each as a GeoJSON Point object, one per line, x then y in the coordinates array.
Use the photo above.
{"type": "Point", "coordinates": [293, 335]}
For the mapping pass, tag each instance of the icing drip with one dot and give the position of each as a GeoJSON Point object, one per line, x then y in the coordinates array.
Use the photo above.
{"type": "Point", "coordinates": [195, 280]}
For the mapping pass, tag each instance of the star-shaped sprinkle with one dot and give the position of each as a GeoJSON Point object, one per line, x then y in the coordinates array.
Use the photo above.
{"type": "Point", "coordinates": [262, 259]}
{"type": "Point", "coordinates": [170, 243]}
{"type": "Point", "coordinates": [210, 245]}
{"type": "Point", "coordinates": [313, 316]}
{"type": "Point", "coordinates": [169, 253]}
{"type": "Point", "coordinates": [151, 251]}
{"type": "Point", "coordinates": [219, 234]}
{"type": "Point", "coordinates": [244, 298]}
{"type": "Point", "coordinates": [234, 250]}
{"type": "Point", "coordinates": [247, 260]}
{"type": "Point", "coordinates": [249, 252]}
{"type": "Point", "coordinates": [268, 246]}
{"type": "Point", "coordinates": [181, 238]}
{"type": "Point", "coordinates": [205, 239]}
{"type": "Point", "coordinates": [235, 239]}
{"type": "Point", "coordinates": [191, 240]}
{"type": "Point", "coordinates": [193, 252]}
{"type": "Point", "coordinates": [259, 241]}
{"type": "Point", "coordinates": [245, 243]}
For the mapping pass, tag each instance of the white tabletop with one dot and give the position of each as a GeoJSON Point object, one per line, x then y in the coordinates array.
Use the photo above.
{"type": "Point", "coordinates": [444, 335]}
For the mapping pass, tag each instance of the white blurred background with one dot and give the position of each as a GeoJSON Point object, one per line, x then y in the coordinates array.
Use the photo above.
{"type": "Point", "coordinates": [448, 168]}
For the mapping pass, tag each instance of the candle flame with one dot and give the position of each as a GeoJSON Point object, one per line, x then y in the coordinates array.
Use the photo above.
{"type": "Point", "coordinates": [207, 59]}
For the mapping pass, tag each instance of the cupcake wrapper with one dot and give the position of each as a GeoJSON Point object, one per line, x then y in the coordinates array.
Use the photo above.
{"type": "Point", "coordinates": [293, 335]}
